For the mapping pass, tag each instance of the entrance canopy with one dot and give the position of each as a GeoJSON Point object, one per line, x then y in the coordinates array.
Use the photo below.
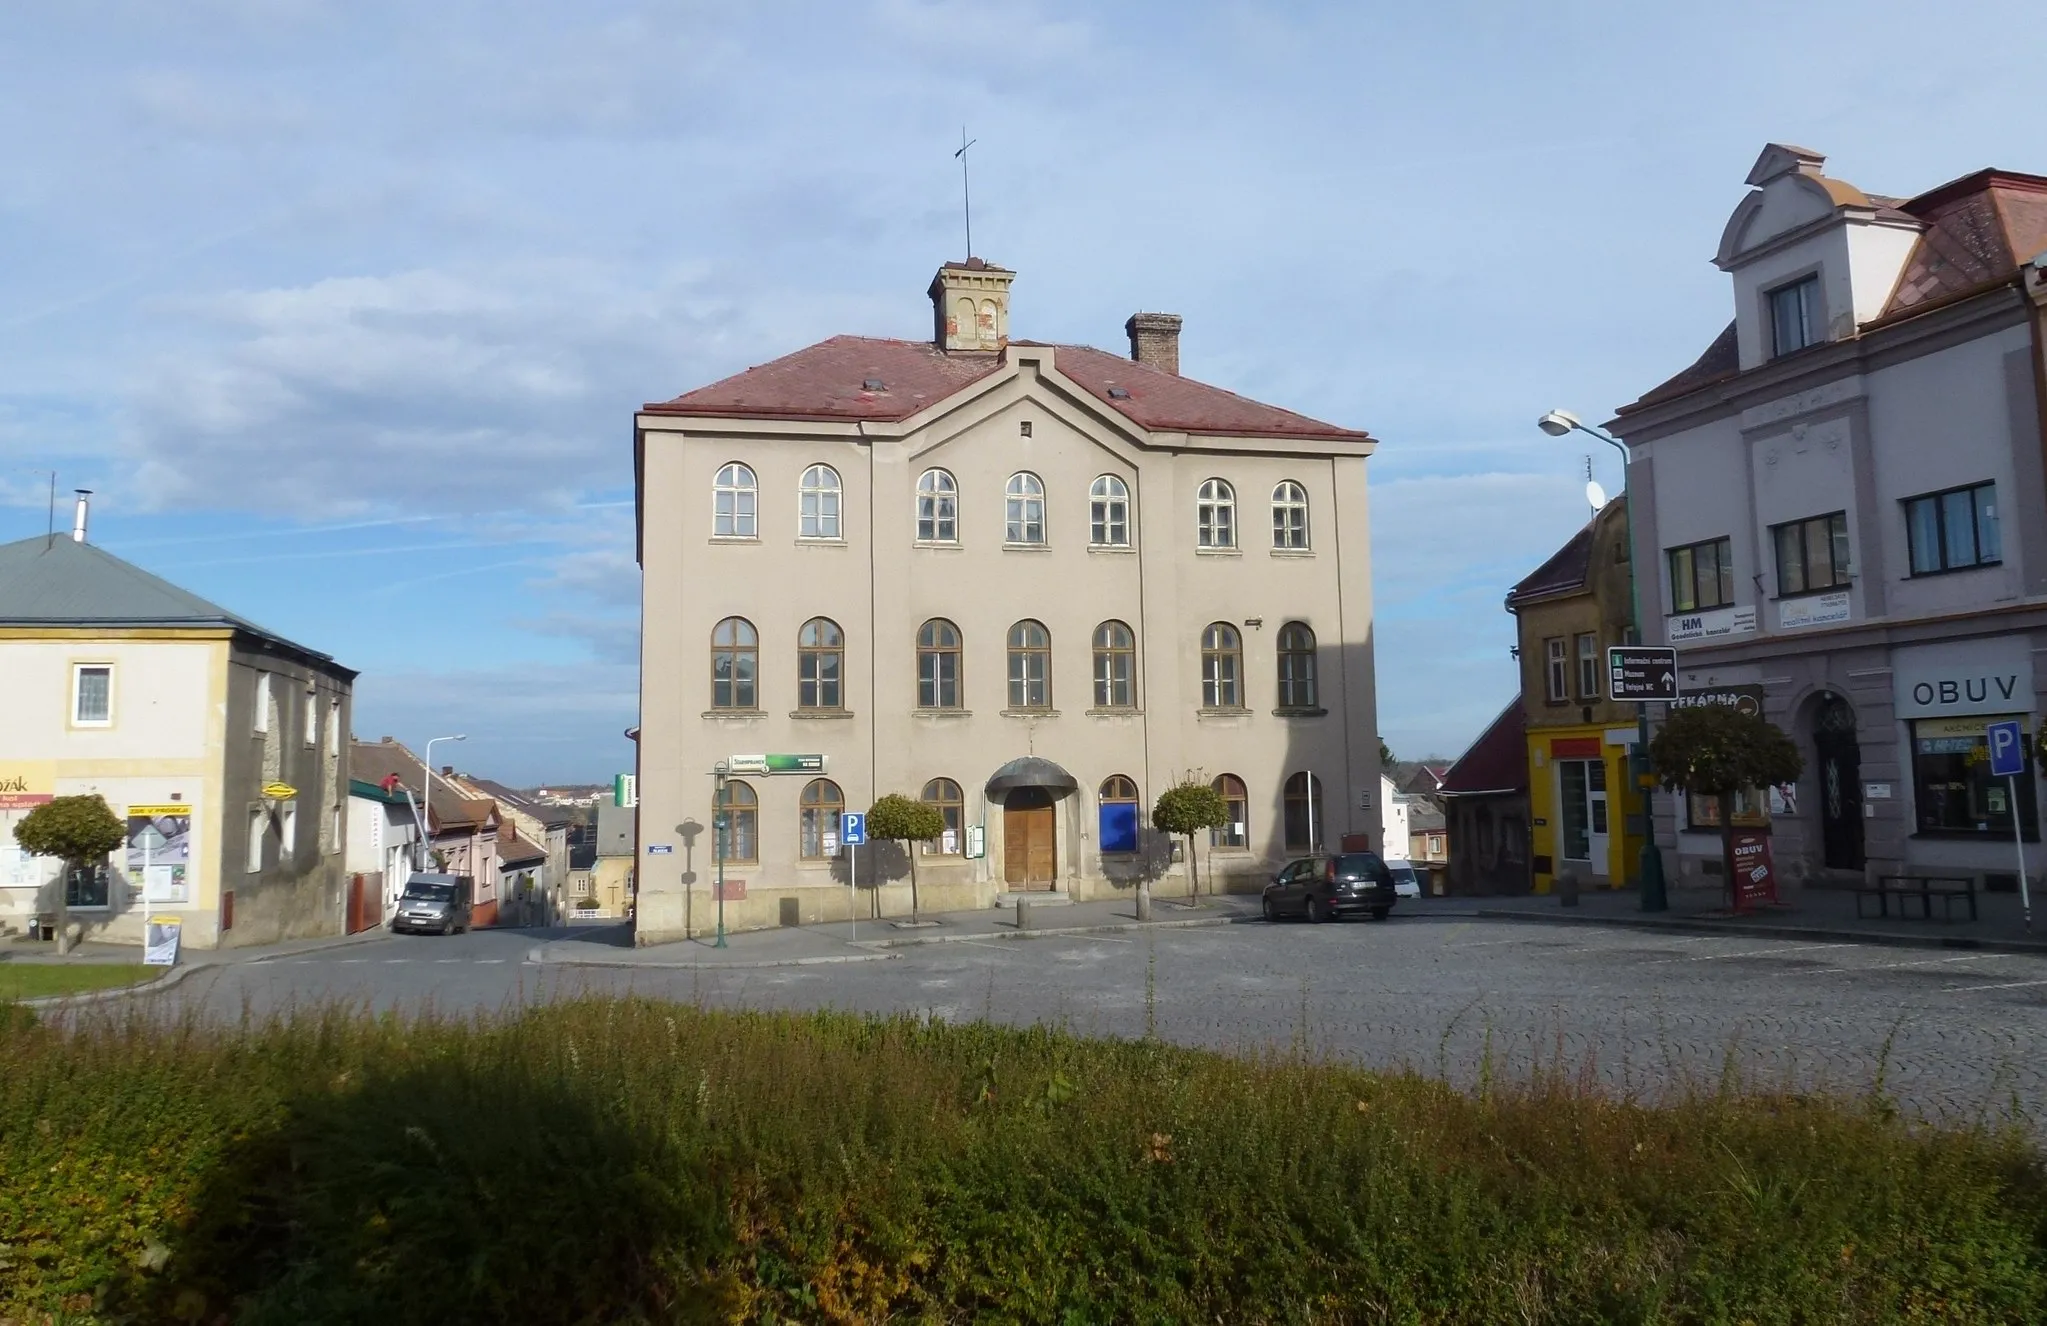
{"type": "Point", "coordinates": [1030, 772]}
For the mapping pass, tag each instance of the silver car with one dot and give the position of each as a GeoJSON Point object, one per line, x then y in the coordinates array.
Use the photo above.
{"type": "Point", "coordinates": [433, 904]}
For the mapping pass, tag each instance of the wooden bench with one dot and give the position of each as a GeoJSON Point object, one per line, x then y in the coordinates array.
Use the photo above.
{"type": "Point", "coordinates": [1925, 889]}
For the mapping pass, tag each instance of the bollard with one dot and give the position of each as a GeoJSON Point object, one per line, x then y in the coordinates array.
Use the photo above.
{"type": "Point", "coordinates": [1567, 888]}
{"type": "Point", "coordinates": [1144, 902]}
{"type": "Point", "coordinates": [1023, 914]}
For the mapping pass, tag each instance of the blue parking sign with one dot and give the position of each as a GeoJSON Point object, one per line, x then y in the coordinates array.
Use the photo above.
{"type": "Point", "coordinates": [853, 828]}
{"type": "Point", "coordinates": [2007, 755]}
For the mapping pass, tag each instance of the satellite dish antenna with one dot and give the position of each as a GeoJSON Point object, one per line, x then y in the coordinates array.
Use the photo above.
{"type": "Point", "coordinates": [1595, 494]}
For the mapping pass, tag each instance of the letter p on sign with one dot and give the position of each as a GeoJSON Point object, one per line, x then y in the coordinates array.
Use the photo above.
{"type": "Point", "coordinates": [2007, 755]}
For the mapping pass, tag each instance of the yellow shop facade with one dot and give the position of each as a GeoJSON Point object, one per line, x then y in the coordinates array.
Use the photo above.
{"type": "Point", "coordinates": [1586, 807]}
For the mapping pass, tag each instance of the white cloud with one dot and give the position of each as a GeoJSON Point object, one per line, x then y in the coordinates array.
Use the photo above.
{"type": "Point", "coordinates": [525, 725]}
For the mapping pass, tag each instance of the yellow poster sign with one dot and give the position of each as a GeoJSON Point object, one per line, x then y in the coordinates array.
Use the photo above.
{"type": "Point", "coordinates": [25, 784]}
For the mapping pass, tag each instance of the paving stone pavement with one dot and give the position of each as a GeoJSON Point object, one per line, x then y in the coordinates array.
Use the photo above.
{"type": "Point", "coordinates": [1954, 1034]}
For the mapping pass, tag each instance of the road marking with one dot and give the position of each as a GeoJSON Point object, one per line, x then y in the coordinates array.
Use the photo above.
{"type": "Point", "coordinates": [1888, 966]}
{"type": "Point", "coordinates": [1747, 953]}
{"type": "Point", "coordinates": [488, 962]}
{"type": "Point", "coordinates": [391, 960]}
{"type": "Point", "coordinates": [345, 961]}
{"type": "Point", "coordinates": [442, 962]}
{"type": "Point", "coordinates": [2005, 985]}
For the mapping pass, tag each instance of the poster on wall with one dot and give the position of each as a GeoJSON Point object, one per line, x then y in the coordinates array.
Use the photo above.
{"type": "Point", "coordinates": [160, 852]}
{"type": "Point", "coordinates": [1755, 878]}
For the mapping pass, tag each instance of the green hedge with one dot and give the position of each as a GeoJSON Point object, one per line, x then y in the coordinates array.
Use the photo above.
{"type": "Point", "coordinates": [617, 1161]}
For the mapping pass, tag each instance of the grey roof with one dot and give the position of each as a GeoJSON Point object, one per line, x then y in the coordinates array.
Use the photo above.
{"type": "Point", "coordinates": [1030, 771]}
{"type": "Point", "coordinates": [617, 829]}
{"type": "Point", "coordinates": [61, 582]}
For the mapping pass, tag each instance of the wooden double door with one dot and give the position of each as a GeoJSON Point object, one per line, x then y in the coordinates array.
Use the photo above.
{"type": "Point", "coordinates": [1030, 849]}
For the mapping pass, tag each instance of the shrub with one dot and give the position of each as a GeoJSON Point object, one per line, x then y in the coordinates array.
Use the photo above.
{"type": "Point", "coordinates": [625, 1161]}
{"type": "Point", "coordinates": [1187, 808]}
{"type": "Point", "coordinates": [897, 818]}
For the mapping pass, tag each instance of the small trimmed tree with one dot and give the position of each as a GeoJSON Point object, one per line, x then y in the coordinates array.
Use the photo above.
{"type": "Point", "coordinates": [897, 818]}
{"type": "Point", "coordinates": [79, 831]}
{"type": "Point", "coordinates": [1186, 809]}
{"type": "Point", "coordinates": [1716, 750]}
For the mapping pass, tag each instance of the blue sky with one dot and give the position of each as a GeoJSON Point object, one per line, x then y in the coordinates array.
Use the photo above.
{"type": "Point", "coordinates": [343, 306]}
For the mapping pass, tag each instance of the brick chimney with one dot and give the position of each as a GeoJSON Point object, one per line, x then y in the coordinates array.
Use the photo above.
{"type": "Point", "coordinates": [1155, 340]}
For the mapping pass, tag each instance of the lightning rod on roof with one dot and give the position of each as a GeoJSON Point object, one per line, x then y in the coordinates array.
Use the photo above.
{"type": "Point", "coordinates": [966, 194]}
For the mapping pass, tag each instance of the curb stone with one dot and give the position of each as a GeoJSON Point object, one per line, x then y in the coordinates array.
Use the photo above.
{"type": "Point", "coordinates": [163, 982]}
{"type": "Point", "coordinates": [1820, 934]}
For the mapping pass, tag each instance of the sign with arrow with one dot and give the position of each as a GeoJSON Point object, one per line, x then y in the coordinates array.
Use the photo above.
{"type": "Point", "coordinates": [1642, 672]}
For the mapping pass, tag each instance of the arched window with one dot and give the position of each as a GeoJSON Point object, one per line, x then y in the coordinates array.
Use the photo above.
{"type": "Point", "coordinates": [820, 665]}
{"type": "Point", "coordinates": [1024, 509]}
{"type": "Point", "coordinates": [735, 503]}
{"type": "Point", "coordinates": [1222, 667]}
{"type": "Point", "coordinates": [1117, 817]}
{"type": "Point", "coordinates": [938, 508]}
{"type": "Point", "coordinates": [1030, 666]}
{"type": "Point", "coordinates": [1237, 832]}
{"type": "Point", "coordinates": [818, 517]}
{"type": "Point", "coordinates": [1115, 665]}
{"type": "Point", "coordinates": [943, 795]}
{"type": "Point", "coordinates": [1289, 515]}
{"type": "Point", "coordinates": [1296, 666]}
{"type": "Point", "coordinates": [1305, 827]}
{"type": "Point", "coordinates": [938, 665]}
{"type": "Point", "coordinates": [1109, 513]}
{"type": "Point", "coordinates": [1215, 514]}
{"type": "Point", "coordinates": [737, 823]}
{"type": "Point", "coordinates": [735, 664]}
{"type": "Point", "coordinates": [821, 806]}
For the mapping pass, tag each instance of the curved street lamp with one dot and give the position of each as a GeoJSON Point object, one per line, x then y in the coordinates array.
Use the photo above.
{"type": "Point", "coordinates": [426, 796]}
{"type": "Point", "coordinates": [1562, 423]}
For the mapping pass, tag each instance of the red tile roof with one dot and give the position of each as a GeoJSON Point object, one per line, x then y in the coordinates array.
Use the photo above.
{"type": "Point", "coordinates": [1978, 231]}
{"type": "Point", "coordinates": [826, 381]}
{"type": "Point", "coordinates": [1566, 569]}
{"type": "Point", "coordinates": [1497, 762]}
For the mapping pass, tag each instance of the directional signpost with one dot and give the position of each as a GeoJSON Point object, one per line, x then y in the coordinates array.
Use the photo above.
{"type": "Point", "coordinates": [2008, 761]}
{"type": "Point", "coordinates": [1642, 673]}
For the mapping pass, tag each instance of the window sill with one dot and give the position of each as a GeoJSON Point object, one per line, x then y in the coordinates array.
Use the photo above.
{"type": "Point", "coordinates": [1116, 711]}
{"type": "Point", "coordinates": [1230, 851]}
{"type": "Point", "coordinates": [820, 715]}
{"type": "Point", "coordinates": [935, 714]}
{"type": "Point", "coordinates": [1111, 548]}
{"type": "Point", "coordinates": [1217, 552]}
{"type": "Point", "coordinates": [1293, 552]}
{"type": "Point", "coordinates": [1030, 713]}
{"type": "Point", "coordinates": [734, 538]}
{"type": "Point", "coordinates": [938, 545]}
{"type": "Point", "coordinates": [1979, 835]}
{"type": "Point", "coordinates": [1953, 570]}
{"type": "Point", "coordinates": [1223, 711]}
{"type": "Point", "coordinates": [1841, 588]}
{"type": "Point", "coordinates": [1298, 711]}
{"type": "Point", "coordinates": [820, 543]}
{"type": "Point", "coordinates": [1027, 547]}
{"type": "Point", "coordinates": [735, 713]}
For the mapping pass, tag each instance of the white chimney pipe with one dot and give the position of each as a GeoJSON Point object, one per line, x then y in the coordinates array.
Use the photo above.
{"type": "Point", "coordinates": [78, 521]}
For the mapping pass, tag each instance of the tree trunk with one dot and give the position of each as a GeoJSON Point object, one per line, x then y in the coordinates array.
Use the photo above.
{"type": "Point", "coordinates": [911, 848]}
{"type": "Point", "coordinates": [1727, 845]}
{"type": "Point", "coordinates": [1193, 870]}
{"type": "Point", "coordinates": [64, 910]}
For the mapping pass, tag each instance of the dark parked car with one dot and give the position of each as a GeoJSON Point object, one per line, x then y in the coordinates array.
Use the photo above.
{"type": "Point", "coordinates": [1340, 884]}
{"type": "Point", "coordinates": [436, 904]}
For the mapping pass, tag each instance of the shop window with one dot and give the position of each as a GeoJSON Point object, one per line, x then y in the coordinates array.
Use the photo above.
{"type": "Point", "coordinates": [1751, 810]}
{"type": "Point", "coordinates": [1952, 786]}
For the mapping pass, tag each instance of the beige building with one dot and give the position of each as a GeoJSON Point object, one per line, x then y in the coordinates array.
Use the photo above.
{"type": "Point", "coordinates": [218, 742]}
{"type": "Point", "coordinates": [1032, 584]}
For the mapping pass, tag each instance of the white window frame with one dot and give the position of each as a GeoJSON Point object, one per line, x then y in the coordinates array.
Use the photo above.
{"type": "Point", "coordinates": [1023, 511]}
{"type": "Point", "coordinates": [262, 722]}
{"type": "Point", "coordinates": [259, 830]}
{"type": "Point", "coordinates": [78, 671]}
{"type": "Point", "coordinates": [288, 831]}
{"type": "Point", "coordinates": [1108, 512]}
{"type": "Point", "coordinates": [820, 504]}
{"type": "Point", "coordinates": [1557, 657]}
{"type": "Point", "coordinates": [1586, 647]}
{"type": "Point", "coordinates": [735, 485]}
{"type": "Point", "coordinates": [312, 718]}
{"type": "Point", "coordinates": [334, 724]}
{"type": "Point", "coordinates": [1215, 514]}
{"type": "Point", "coordinates": [1811, 314]}
{"type": "Point", "coordinates": [938, 507]}
{"type": "Point", "coordinates": [1289, 516]}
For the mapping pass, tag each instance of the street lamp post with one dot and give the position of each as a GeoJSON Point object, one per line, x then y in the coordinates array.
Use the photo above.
{"type": "Point", "coordinates": [426, 794]}
{"type": "Point", "coordinates": [1561, 423]}
{"type": "Point", "coordinates": [721, 818]}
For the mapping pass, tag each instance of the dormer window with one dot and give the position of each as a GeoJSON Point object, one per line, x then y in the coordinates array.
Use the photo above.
{"type": "Point", "coordinates": [1794, 316]}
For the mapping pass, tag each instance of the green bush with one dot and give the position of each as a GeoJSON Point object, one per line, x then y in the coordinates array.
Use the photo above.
{"type": "Point", "coordinates": [619, 1161]}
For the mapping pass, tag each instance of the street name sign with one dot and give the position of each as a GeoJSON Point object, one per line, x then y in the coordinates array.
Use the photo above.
{"type": "Point", "coordinates": [1642, 672]}
{"type": "Point", "coordinates": [775, 764]}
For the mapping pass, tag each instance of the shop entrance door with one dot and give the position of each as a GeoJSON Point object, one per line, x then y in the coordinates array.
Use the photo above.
{"type": "Point", "coordinates": [1840, 770]}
